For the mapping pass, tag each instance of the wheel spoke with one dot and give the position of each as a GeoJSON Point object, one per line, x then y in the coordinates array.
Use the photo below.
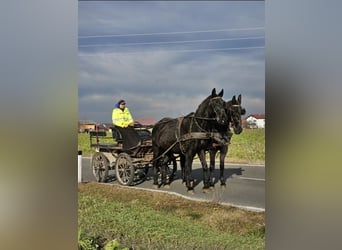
{"type": "Point", "coordinates": [100, 167]}
{"type": "Point", "coordinates": [124, 169]}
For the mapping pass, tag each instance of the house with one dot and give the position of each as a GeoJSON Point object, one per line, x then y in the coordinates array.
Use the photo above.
{"type": "Point", "coordinates": [255, 121]}
{"type": "Point", "coordinates": [145, 122]}
{"type": "Point", "coordinates": [84, 126]}
{"type": "Point", "coordinates": [105, 127]}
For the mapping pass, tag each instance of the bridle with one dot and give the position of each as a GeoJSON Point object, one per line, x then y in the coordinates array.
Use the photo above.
{"type": "Point", "coordinates": [213, 106]}
{"type": "Point", "coordinates": [233, 114]}
{"type": "Point", "coordinates": [216, 112]}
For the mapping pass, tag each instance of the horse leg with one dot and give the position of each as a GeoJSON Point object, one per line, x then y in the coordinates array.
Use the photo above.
{"type": "Point", "coordinates": [182, 163]}
{"type": "Point", "coordinates": [172, 160]}
{"type": "Point", "coordinates": [174, 164]}
{"type": "Point", "coordinates": [223, 153]}
{"type": "Point", "coordinates": [206, 177]}
{"type": "Point", "coordinates": [157, 167]}
{"type": "Point", "coordinates": [188, 169]}
{"type": "Point", "coordinates": [155, 173]}
{"type": "Point", "coordinates": [165, 178]}
{"type": "Point", "coordinates": [212, 154]}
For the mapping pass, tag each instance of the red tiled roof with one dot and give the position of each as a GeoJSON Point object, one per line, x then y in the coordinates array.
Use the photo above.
{"type": "Point", "coordinates": [258, 116]}
{"type": "Point", "coordinates": [145, 121]}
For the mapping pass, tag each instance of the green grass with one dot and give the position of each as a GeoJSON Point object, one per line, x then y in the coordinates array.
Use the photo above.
{"type": "Point", "coordinates": [84, 142]}
{"type": "Point", "coordinates": [248, 147]}
{"type": "Point", "coordinates": [147, 220]}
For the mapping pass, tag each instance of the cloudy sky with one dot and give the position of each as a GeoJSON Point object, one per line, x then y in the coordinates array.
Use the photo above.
{"type": "Point", "coordinates": [165, 57]}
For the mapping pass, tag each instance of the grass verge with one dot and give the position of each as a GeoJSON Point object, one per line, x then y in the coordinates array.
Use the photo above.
{"type": "Point", "coordinates": [149, 220]}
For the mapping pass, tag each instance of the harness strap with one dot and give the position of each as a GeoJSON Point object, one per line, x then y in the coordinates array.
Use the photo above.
{"type": "Point", "coordinates": [178, 136]}
{"type": "Point", "coordinates": [202, 136]}
{"type": "Point", "coordinates": [194, 136]}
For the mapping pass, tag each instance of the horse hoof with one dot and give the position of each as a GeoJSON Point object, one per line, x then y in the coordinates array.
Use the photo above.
{"type": "Point", "coordinates": [167, 186]}
{"type": "Point", "coordinates": [206, 190]}
{"type": "Point", "coordinates": [223, 185]}
{"type": "Point", "coordinates": [212, 188]}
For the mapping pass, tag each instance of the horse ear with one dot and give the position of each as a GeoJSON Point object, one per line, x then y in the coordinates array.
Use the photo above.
{"type": "Point", "coordinates": [213, 92]}
{"type": "Point", "coordinates": [233, 99]}
{"type": "Point", "coordinates": [239, 99]}
{"type": "Point", "coordinates": [221, 93]}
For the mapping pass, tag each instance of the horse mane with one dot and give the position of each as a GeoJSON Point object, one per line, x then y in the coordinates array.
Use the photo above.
{"type": "Point", "coordinates": [204, 102]}
{"type": "Point", "coordinates": [190, 114]}
{"type": "Point", "coordinates": [202, 107]}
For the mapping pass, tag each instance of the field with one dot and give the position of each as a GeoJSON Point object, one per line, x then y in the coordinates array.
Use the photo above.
{"type": "Point", "coordinates": [135, 219]}
{"type": "Point", "coordinates": [248, 147]}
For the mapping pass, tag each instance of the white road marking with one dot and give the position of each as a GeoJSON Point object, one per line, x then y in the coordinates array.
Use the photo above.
{"type": "Point", "coordinates": [254, 179]}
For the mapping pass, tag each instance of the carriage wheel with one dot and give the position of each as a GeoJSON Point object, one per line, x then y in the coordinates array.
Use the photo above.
{"type": "Point", "coordinates": [124, 169]}
{"type": "Point", "coordinates": [100, 165]}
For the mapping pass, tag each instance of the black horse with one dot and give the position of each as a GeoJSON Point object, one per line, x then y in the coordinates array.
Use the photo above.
{"type": "Point", "coordinates": [234, 112]}
{"type": "Point", "coordinates": [185, 136]}
{"type": "Point", "coordinates": [168, 158]}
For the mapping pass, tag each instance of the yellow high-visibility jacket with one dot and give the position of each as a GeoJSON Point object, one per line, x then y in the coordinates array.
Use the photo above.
{"type": "Point", "coordinates": [122, 118]}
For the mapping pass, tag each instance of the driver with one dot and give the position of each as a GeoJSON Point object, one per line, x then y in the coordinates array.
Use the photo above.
{"type": "Point", "coordinates": [121, 116]}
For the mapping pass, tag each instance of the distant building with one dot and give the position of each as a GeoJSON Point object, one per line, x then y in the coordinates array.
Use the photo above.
{"type": "Point", "coordinates": [255, 121]}
{"type": "Point", "coordinates": [105, 127]}
{"type": "Point", "coordinates": [84, 126]}
{"type": "Point", "coordinates": [145, 121]}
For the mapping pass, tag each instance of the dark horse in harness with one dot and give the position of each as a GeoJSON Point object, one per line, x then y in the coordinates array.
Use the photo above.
{"type": "Point", "coordinates": [186, 136]}
{"type": "Point", "coordinates": [234, 112]}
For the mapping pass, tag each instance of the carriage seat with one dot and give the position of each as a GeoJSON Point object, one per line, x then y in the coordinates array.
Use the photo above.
{"type": "Point", "coordinates": [130, 137]}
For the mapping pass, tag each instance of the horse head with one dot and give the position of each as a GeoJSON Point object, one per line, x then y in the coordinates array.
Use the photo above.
{"type": "Point", "coordinates": [235, 111]}
{"type": "Point", "coordinates": [217, 107]}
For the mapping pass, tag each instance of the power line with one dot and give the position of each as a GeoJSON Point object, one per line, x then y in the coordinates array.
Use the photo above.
{"type": "Point", "coordinates": [167, 51]}
{"type": "Point", "coordinates": [172, 33]}
{"type": "Point", "coordinates": [173, 42]}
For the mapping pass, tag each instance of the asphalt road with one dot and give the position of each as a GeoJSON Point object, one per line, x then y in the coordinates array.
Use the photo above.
{"type": "Point", "coordinates": [245, 185]}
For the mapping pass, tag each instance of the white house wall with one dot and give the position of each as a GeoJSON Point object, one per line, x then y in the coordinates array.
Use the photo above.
{"type": "Point", "coordinates": [260, 123]}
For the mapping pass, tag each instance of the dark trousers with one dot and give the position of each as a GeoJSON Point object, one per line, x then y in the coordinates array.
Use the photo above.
{"type": "Point", "coordinates": [129, 137]}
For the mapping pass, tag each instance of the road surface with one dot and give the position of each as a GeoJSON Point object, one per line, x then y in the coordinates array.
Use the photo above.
{"type": "Point", "coordinates": [245, 185]}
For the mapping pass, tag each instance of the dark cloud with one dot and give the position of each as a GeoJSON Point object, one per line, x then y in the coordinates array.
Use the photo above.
{"type": "Point", "coordinates": [159, 81]}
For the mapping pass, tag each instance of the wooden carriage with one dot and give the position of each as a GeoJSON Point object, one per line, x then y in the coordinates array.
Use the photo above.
{"type": "Point", "coordinates": [125, 154]}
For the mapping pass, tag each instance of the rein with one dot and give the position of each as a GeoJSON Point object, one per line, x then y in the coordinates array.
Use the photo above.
{"type": "Point", "coordinates": [204, 118]}
{"type": "Point", "coordinates": [193, 136]}
{"type": "Point", "coordinates": [204, 135]}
